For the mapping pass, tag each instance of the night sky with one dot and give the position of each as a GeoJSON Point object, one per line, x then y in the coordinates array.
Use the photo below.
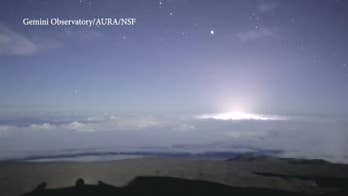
{"type": "Point", "coordinates": [182, 58]}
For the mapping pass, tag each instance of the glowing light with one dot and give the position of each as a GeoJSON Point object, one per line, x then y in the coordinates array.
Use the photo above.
{"type": "Point", "coordinates": [238, 116]}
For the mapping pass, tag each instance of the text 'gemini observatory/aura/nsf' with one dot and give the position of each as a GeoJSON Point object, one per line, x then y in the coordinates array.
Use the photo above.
{"type": "Point", "coordinates": [79, 22]}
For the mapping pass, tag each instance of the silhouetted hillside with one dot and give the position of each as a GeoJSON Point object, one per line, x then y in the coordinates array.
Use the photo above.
{"type": "Point", "coordinates": [160, 186]}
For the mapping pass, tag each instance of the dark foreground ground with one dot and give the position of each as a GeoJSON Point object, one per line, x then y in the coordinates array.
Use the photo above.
{"type": "Point", "coordinates": [164, 176]}
{"type": "Point", "coordinates": [163, 186]}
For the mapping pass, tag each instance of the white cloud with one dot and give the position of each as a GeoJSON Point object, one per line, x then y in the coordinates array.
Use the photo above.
{"type": "Point", "coordinates": [136, 123]}
{"type": "Point", "coordinates": [13, 43]}
{"type": "Point", "coordinates": [148, 123]}
{"type": "Point", "coordinates": [17, 44]}
{"type": "Point", "coordinates": [253, 35]}
{"type": "Point", "coordinates": [43, 126]}
{"type": "Point", "coordinates": [6, 127]}
{"type": "Point", "coordinates": [78, 126]}
{"type": "Point", "coordinates": [105, 123]}
{"type": "Point", "coordinates": [129, 123]}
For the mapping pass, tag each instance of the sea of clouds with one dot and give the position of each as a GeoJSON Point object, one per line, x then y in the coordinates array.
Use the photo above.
{"type": "Point", "coordinates": [298, 137]}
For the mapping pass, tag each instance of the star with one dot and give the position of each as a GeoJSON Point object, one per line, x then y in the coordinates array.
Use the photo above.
{"type": "Point", "coordinates": [212, 32]}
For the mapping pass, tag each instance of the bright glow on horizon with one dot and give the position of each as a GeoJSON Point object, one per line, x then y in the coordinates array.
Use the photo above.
{"type": "Point", "coordinates": [237, 116]}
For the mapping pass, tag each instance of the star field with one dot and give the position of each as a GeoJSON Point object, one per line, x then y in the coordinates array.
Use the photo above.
{"type": "Point", "coordinates": [277, 56]}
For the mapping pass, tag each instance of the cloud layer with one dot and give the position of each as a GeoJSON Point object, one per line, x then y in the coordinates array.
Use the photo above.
{"type": "Point", "coordinates": [13, 43]}
{"type": "Point", "coordinates": [296, 137]}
